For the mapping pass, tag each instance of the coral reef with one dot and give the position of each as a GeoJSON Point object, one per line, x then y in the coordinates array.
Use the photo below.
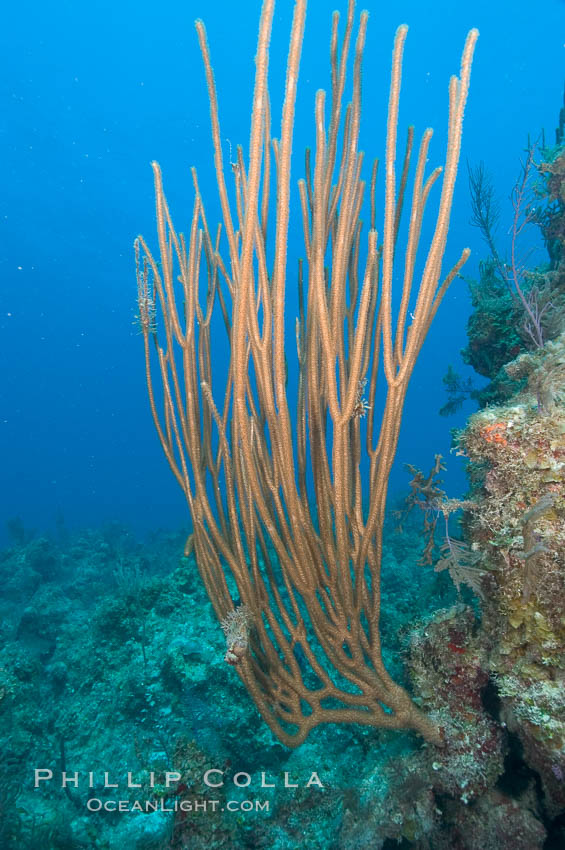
{"type": "Point", "coordinates": [112, 661]}
{"type": "Point", "coordinates": [497, 329]}
{"type": "Point", "coordinates": [519, 526]}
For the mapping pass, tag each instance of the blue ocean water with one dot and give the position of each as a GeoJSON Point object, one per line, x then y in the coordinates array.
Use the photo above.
{"type": "Point", "coordinates": [91, 93]}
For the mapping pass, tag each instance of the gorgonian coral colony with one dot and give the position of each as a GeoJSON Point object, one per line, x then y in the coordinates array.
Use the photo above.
{"type": "Point", "coordinates": [288, 516]}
